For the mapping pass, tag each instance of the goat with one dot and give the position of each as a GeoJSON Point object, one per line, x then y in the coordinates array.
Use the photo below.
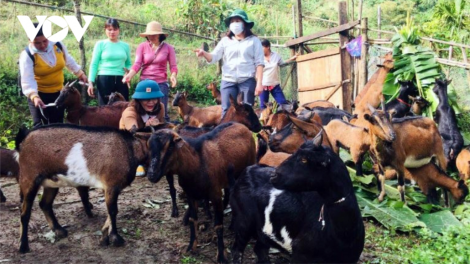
{"type": "Point", "coordinates": [317, 103]}
{"type": "Point", "coordinates": [463, 164]}
{"type": "Point", "coordinates": [264, 155]}
{"type": "Point", "coordinates": [215, 92]}
{"type": "Point", "coordinates": [400, 105]}
{"type": "Point", "coordinates": [265, 113]}
{"type": "Point", "coordinates": [326, 114]}
{"type": "Point", "coordinates": [66, 155]}
{"type": "Point", "coordinates": [115, 97]}
{"type": "Point", "coordinates": [291, 137]}
{"type": "Point", "coordinates": [305, 206]}
{"type": "Point", "coordinates": [418, 103]}
{"type": "Point", "coordinates": [197, 116]}
{"type": "Point", "coordinates": [8, 167]}
{"type": "Point", "coordinates": [373, 89]}
{"type": "Point", "coordinates": [353, 138]}
{"type": "Point", "coordinates": [447, 122]}
{"type": "Point", "coordinates": [409, 142]}
{"type": "Point", "coordinates": [209, 161]}
{"type": "Point", "coordinates": [78, 114]}
{"type": "Point", "coordinates": [280, 119]}
{"type": "Point", "coordinates": [372, 80]}
{"type": "Point", "coordinates": [428, 177]}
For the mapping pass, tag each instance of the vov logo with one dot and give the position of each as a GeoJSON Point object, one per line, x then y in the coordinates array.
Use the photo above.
{"type": "Point", "coordinates": [65, 23]}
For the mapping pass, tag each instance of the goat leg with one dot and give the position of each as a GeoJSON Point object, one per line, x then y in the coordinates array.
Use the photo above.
{"type": "Point", "coordinates": [83, 192]}
{"type": "Point", "coordinates": [401, 183]}
{"type": "Point", "coordinates": [192, 247]}
{"type": "Point", "coordinates": [171, 184]}
{"type": "Point", "coordinates": [111, 203]}
{"type": "Point", "coordinates": [47, 200]}
{"type": "Point", "coordinates": [262, 252]}
{"type": "Point", "coordinates": [219, 229]}
{"type": "Point", "coordinates": [2, 197]}
{"type": "Point", "coordinates": [30, 195]}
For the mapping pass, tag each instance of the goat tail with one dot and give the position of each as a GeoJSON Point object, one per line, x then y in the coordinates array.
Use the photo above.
{"type": "Point", "coordinates": [20, 136]}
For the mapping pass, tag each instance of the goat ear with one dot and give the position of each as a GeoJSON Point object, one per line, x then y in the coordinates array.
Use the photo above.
{"type": "Point", "coordinates": [448, 81]}
{"type": "Point", "coordinates": [392, 113]}
{"type": "Point", "coordinates": [240, 97]}
{"type": "Point", "coordinates": [143, 135]}
{"type": "Point", "coordinates": [185, 94]}
{"type": "Point", "coordinates": [232, 101]}
{"type": "Point", "coordinates": [179, 142]}
{"type": "Point", "coordinates": [317, 140]}
{"type": "Point", "coordinates": [411, 98]}
{"type": "Point", "coordinates": [380, 65]}
{"type": "Point", "coordinates": [368, 118]}
{"type": "Point", "coordinates": [133, 129]}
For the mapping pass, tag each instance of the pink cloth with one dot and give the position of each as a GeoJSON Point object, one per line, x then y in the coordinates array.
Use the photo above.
{"type": "Point", "coordinates": [155, 67]}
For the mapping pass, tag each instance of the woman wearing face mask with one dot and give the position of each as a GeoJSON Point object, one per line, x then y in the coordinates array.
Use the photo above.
{"type": "Point", "coordinates": [153, 58]}
{"type": "Point", "coordinates": [243, 60]}
{"type": "Point", "coordinates": [110, 59]}
{"type": "Point", "coordinates": [42, 78]}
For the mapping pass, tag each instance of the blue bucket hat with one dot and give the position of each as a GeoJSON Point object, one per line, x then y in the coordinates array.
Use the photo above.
{"type": "Point", "coordinates": [147, 89]}
{"type": "Point", "coordinates": [241, 14]}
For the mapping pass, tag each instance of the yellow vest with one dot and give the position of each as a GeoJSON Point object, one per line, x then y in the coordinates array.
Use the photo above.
{"type": "Point", "coordinates": [49, 79]}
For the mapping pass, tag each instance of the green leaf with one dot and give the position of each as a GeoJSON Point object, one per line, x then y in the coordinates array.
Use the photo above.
{"type": "Point", "coordinates": [401, 218]}
{"type": "Point", "coordinates": [431, 97]}
{"type": "Point", "coordinates": [439, 221]}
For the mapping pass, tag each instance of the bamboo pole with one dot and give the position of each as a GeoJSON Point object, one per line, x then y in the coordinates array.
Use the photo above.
{"type": "Point", "coordinates": [81, 46]}
{"type": "Point", "coordinates": [379, 21]}
{"type": "Point", "coordinates": [364, 53]}
{"type": "Point", "coordinates": [465, 59]}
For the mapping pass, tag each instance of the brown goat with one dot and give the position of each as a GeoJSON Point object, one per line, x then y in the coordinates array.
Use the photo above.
{"type": "Point", "coordinates": [407, 142]}
{"type": "Point", "coordinates": [264, 155]}
{"type": "Point", "coordinates": [373, 90]}
{"type": "Point", "coordinates": [215, 92]}
{"type": "Point", "coordinates": [291, 137]}
{"type": "Point", "coordinates": [264, 114]}
{"type": "Point", "coordinates": [65, 155]}
{"type": "Point", "coordinates": [8, 167]}
{"type": "Point", "coordinates": [463, 164]}
{"type": "Point", "coordinates": [280, 119]}
{"type": "Point", "coordinates": [115, 97]}
{"type": "Point", "coordinates": [197, 116]}
{"type": "Point", "coordinates": [372, 80]}
{"type": "Point", "coordinates": [353, 138]}
{"type": "Point", "coordinates": [78, 114]}
{"type": "Point", "coordinates": [210, 163]}
{"type": "Point", "coordinates": [429, 177]}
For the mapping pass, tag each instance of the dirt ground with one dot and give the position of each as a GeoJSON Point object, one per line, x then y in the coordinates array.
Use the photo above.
{"type": "Point", "coordinates": [151, 234]}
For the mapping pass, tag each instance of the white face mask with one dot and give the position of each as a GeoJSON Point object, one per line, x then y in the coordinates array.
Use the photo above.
{"type": "Point", "coordinates": [236, 27]}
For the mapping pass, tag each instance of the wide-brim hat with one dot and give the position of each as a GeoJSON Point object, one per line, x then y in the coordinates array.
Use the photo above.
{"type": "Point", "coordinates": [153, 28]}
{"type": "Point", "coordinates": [146, 90]}
{"type": "Point", "coordinates": [241, 14]}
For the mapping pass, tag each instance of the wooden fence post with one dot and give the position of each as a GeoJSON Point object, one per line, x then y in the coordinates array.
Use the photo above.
{"type": "Point", "coordinates": [345, 58]}
{"type": "Point", "coordinates": [364, 53]}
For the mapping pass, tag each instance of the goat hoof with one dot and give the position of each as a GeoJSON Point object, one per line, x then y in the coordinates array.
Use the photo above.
{"type": "Point", "coordinates": [221, 258]}
{"type": "Point", "coordinates": [60, 233]}
{"type": "Point", "coordinates": [104, 241]}
{"type": "Point", "coordinates": [174, 213]}
{"type": "Point", "coordinates": [116, 240]}
{"type": "Point", "coordinates": [24, 248]}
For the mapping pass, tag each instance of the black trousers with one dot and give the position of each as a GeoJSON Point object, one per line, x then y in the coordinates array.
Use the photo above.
{"type": "Point", "coordinates": [51, 115]}
{"type": "Point", "coordinates": [106, 84]}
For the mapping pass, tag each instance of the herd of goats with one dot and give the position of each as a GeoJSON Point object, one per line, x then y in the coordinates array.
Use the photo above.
{"type": "Point", "coordinates": [288, 190]}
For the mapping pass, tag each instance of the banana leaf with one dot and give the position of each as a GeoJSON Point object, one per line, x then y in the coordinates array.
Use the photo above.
{"type": "Point", "coordinates": [439, 221]}
{"type": "Point", "coordinates": [398, 216]}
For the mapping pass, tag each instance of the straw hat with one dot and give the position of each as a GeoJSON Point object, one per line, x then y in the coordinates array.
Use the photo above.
{"type": "Point", "coordinates": [153, 28]}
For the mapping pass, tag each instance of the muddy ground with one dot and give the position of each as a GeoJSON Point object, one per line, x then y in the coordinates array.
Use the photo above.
{"type": "Point", "coordinates": [151, 234]}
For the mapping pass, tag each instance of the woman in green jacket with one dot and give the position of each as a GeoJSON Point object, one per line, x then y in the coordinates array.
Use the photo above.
{"type": "Point", "coordinates": [111, 58]}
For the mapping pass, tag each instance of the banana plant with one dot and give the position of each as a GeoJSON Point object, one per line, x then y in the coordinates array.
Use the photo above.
{"type": "Point", "coordinates": [413, 62]}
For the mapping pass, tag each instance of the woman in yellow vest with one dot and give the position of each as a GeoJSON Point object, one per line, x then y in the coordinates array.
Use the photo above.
{"type": "Point", "coordinates": [43, 78]}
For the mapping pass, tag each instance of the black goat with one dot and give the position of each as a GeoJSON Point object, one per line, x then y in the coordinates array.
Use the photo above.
{"type": "Point", "coordinates": [447, 123]}
{"type": "Point", "coordinates": [306, 206]}
{"type": "Point", "coordinates": [401, 105]}
{"type": "Point", "coordinates": [326, 114]}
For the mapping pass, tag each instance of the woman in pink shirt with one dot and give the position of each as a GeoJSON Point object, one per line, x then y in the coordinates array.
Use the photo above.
{"type": "Point", "coordinates": [153, 57]}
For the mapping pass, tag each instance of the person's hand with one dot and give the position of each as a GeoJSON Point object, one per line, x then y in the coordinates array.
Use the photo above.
{"type": "Point", "coordinates": [258, 89]}
{"type": "Point", "coordinates": [90, 90]}
{"type": "Point", "coordinates": [173, 81]}
{"type": "Point", "coordinates": [83, 78]}
{"type": "Point", "coordinates": [126, 79]}
{"type": "Point", "coordinates": [38, 102]}
{"type": "Point", "coordinates": [199, 52]}
{"type": "Point", "coordinates": [153, 121]}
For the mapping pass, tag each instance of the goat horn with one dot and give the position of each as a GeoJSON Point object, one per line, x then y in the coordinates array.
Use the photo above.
{"type": "Point", "coordinates": [371, 108]}
{"type": "Point", "coordinates": [318, 138]}
{"type": "Point", "coordinates": [73, 83]}
{"type": "Point", "coordinates": [382, 101]}
{"type": "Point", "coordinates": [152, 129]}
